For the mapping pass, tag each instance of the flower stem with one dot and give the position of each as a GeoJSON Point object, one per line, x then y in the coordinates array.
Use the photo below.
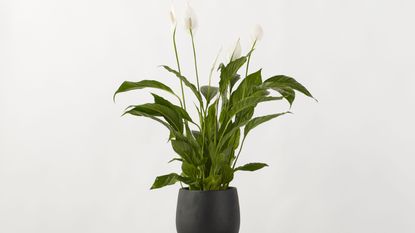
{"type": "Point", "coordinates": [195, 58]}
{"type": "Point", "coordinates": [178, 66]}
{"type": "Point", "coordinates": [239, 152]}
{"type": "Point", "coordinates": [249, 59]}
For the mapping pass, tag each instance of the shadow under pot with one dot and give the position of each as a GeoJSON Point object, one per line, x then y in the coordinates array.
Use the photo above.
{"type": "Point", "coordinates": [208, 211]}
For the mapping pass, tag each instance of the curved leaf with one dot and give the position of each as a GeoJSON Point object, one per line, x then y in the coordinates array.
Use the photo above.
{"type": "Point", "coordinates": [170, 115]}
{"type": "Point", "coordinates": [186, 82]}
{"type": "Point", "coordinates": [284, 82]}
{"type": "Point", "coordinates": [162, 181]}
{"type": "Point", "coordinates": [129, 86]}
{"type": "Point", "coordinates": [259, 120]}
{"type": "Point", "coordinates": [251, 167]}
{"type": "Point", "coordinates": [228, 72]}
{"type": "Point", "coordinates": [183, 113]}
{"type": "Point", "coordinates": [249, 102]}
{"type": "Point", "coordinates": [209, 92]}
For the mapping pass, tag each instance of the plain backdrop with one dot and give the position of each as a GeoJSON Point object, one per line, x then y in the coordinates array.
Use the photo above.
{"type": "Point", "coordinates": [70, 163]}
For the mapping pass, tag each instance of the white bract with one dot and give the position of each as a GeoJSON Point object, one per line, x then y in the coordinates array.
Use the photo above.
{"type": "Point", "coordinates": [190, 20]}
{"type": "Point", "coordinates": [173, 17]}
{"type": "Point", "coordinates": [258, 33]}
{"type": "Point", "coordinates": [237, 51]}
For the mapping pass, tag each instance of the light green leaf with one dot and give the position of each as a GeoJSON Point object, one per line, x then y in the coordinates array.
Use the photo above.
{"type": "Point", "coordinates": [129, 86]}
{"type": "Point", "coordinates": [259, 120]}
{"type": "Point", "coordinates": [251, 167]}
{"type": "Point", "coordinates": [162, 181]}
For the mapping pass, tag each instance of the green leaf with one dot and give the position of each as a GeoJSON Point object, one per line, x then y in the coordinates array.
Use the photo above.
{"type": "Point", "coordinates": [186, 82]}
{"type": "Point", "coordinates": [162, 181]}
{"type": "Point", "coordinates": [176, 159]}
{"type": "Point", "coordinates": [170, 115]}
{"type": "Point", "coordinates": [137, 112]}
{"type": "Point", "coordinates": [209, 92]}
{"type": "Point", "coordinates": [251, 167]}
{"type": "Point", "coordinates": [259, 120]}
{"type": "Point", "coordinates": [228, 72]}
{"type": "Point", "coordinates": [249, 102]}
{"type": "Point", "coordinates": [183, 113]}
{"type": "Point", "coordinates": [234, 80]}
{"type": "Point", "coordinates": [282, 82]}
{"type": "Point", "coordinates": [129, 86]}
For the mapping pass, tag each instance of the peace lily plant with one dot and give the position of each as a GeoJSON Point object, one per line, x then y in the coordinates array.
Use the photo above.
{"type": "Point", "coordinates": [209, 146]}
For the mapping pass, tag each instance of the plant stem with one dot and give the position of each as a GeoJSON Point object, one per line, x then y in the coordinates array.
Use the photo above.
{"type": "Point", "coordinates": [249, 59]}
{"type": "Point", "coordinates": [195, 59]}
{"type": "Point", "coordinates": [178, 66]}
{"type": "Point", "coordinates": [239, 152]}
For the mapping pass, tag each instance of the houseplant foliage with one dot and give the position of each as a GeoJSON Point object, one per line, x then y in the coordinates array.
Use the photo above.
{"type": "Point", "coordinates": [208, 146]}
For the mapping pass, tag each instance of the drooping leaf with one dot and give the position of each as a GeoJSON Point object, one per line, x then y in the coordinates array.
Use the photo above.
{"type": "Point", "coordinates": [169, 115]}
{"type": "Point", "coordinates": [176, 159]}
{"type": "Point", "coordinates": [186, 82]}
{"type": "Point", "coordinates": [183, 113]}
{"type": "Point", "coordinates": [251, 167]}
{"type": "Point", "coordinates": [129, 86]}
{"type": "Point", "coordinates": [283, 82]}
{"type": "Point", "coordinates": [162, 181]}
{"type": "Point", "coordinates": [138, 112]}
{"type": "Point", "coordinates": [259, 120]}
{"type": "Point", "coordinates": [209, 92]}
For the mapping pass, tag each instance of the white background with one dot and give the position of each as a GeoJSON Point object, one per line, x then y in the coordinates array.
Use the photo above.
{"type": "Point", "coordinates": [70, 163]}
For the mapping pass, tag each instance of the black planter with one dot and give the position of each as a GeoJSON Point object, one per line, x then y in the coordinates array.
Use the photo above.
{"type": "Point", "coordinates": [208, 211]}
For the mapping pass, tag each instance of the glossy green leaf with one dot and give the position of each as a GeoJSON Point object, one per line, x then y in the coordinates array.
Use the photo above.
{"type": "Point", "coordinates": [284, 82]}
{"type": "Point", "coordinates": [172, 117]}
{"type": "Point", "coordinates": [129, 86]}
{"type": "Point", "coordinates": [228, 72]}
{"type": "Point", "coordinates": [251, 167]}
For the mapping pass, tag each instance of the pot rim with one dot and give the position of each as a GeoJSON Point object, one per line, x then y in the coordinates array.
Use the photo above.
{"type": "Point", "coordinates": [207, 191]}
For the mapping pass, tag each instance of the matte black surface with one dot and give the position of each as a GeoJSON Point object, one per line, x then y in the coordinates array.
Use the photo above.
{"type": "Point", "coordinates": [208, 211]}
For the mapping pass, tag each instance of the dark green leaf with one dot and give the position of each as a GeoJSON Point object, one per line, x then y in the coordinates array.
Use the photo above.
{"type": "Point", "coordinates": [183, 113]}
{"type": "Point", "coordinates": [251, 167]}
{"type": "Point", "coordinates": [284, 82]}
{"type": "Point", "coordinates": [186, 82]}
{"type": "Point", "coordinates": [228, 72]}
{"type": "Point", "coordinates": [209, 92]}
{"type": "Point", "coordinates": [128, 86]}
{"type": "Point", "coordinates": [176, 159]}
{"type": "Point", "coordinates": [170, 115]}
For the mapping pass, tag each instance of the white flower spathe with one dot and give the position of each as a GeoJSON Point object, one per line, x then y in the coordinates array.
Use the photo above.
{"type": "Point", "coordinates": [190, 19]}
{"type": "Point", "coordinates": [173, 18]}
{"type": "Point", "coordinates": [258, 33]}
{"type": "Point", "coordinates": [237, 51]}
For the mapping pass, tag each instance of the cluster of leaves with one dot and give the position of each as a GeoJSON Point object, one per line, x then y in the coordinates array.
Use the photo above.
{"type": "Point", "coordinates": [208, 148]}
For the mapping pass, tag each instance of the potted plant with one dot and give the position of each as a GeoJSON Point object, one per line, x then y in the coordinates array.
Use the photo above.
{"type": "Point", "coordinates": [208, 146]}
